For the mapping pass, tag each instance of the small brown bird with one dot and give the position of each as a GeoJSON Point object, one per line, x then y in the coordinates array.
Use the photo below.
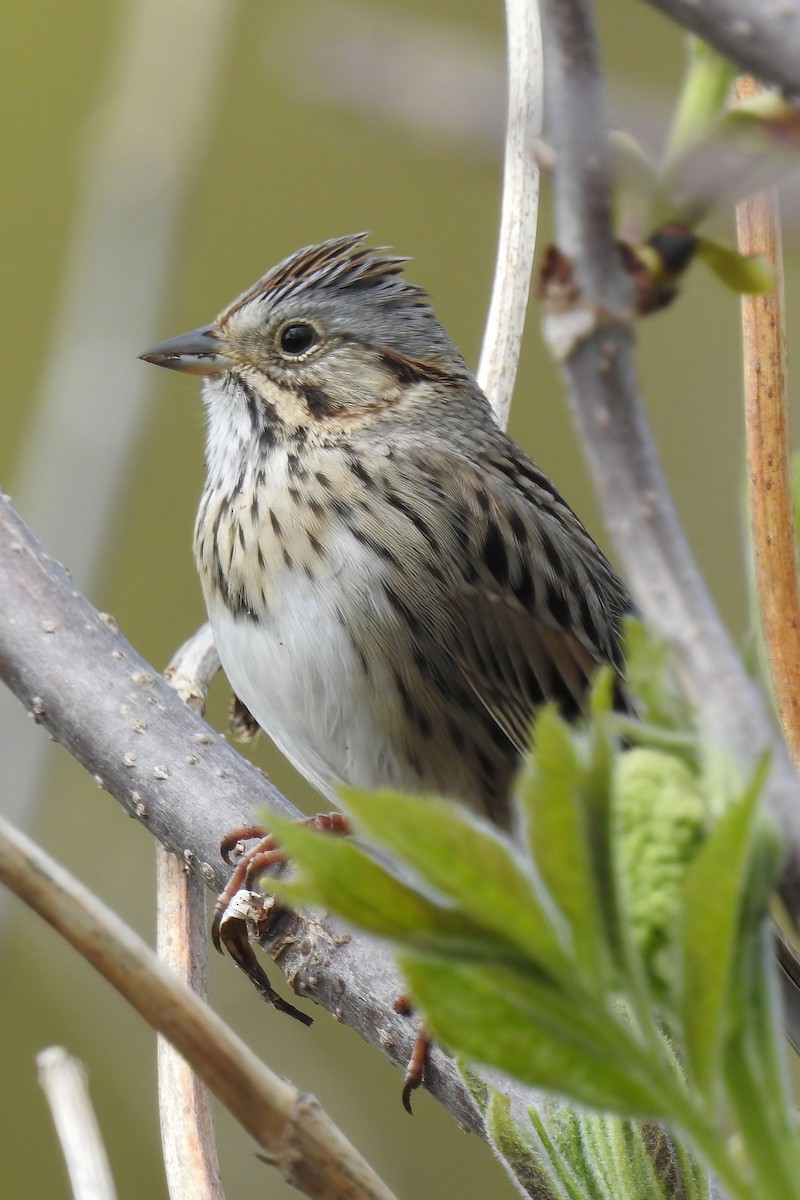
{"type": "Point", "coordinates": [394, 587]}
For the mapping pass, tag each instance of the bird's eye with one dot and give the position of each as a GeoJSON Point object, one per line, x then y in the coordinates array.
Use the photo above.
{"type": "Point", "coordinates": [297, 340]}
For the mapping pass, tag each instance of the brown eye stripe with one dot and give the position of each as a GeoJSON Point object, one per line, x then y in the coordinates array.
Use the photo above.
{"type": "Point", "coordinates": [319, 402]}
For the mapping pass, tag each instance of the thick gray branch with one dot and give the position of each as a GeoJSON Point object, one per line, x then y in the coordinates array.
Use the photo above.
{"type": "Point", "coordinates": [591, 336]}
{"type": "Point", "coordinates": [763, 36]}
{"type": "Point", "coordinates": [76, 674]}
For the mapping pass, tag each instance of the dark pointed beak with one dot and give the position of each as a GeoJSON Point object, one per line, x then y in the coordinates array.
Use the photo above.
{"type": "Point", "coordinates": [200, 352]}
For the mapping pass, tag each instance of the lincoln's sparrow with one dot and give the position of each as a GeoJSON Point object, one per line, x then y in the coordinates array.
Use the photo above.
{"type": "Point", "coordinates": [393, 585]}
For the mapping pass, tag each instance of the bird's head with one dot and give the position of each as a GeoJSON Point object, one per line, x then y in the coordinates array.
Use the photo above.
{"type": "Point", "coordinates": [333, 335]}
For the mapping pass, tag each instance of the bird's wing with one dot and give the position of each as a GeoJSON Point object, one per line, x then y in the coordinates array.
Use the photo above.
{"type": "Point", "coordinates": [512, 591]}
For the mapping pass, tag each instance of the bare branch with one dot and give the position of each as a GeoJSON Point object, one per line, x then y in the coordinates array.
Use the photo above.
{"type": "Point", "coordinates": [63, 1081]}
{"type": "Point", "coordinates": [589, 331]}
{"type": "Point", "coordinates": [187, 1127]}
{"type": "Point", "coordinates": [505, 322]}
{"type": "Point", "coordinates": [762, 36]}
{"type": "Point", "coordinates": [294, 1133]}
{"type": "Point", "coordinates": [77, 676]}
{"type": "Point", "coordinates": [766, 406]}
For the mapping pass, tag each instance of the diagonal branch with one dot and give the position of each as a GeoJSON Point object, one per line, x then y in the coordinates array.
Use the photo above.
{"type": "Point", "coordinates": [762, 36]}
{"type": "Point", "coordinates": [290, 1127]}
{"type": "Point", "coordinates": [75, 673]}
{"type": "Point", "coordinates": [589, 331]}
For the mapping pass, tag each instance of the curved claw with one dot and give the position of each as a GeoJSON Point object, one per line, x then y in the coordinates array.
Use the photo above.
{"type": "Point", "coordinates": [248, 863]}
{"type": "Point", "coordinates": [231, 847]}
{"type": "Point", "coordinates": [233, 933]}
{"type": "Point", "coordinates": [216, 925]}
{"type": "Point", "coordinates": [417, 1066]}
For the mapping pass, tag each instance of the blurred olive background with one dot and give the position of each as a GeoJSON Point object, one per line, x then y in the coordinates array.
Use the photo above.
{"type": "Point", "coordinates": [320, 119]}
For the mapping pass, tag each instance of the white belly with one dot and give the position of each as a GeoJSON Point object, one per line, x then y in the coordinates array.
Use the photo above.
{"type": "Point", "coordinates": [299, 676]}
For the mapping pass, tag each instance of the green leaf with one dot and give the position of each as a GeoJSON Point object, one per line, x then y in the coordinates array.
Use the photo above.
{"type": "Point", "coordinates": [535, 1033]}
{"type": "Point", "coordinates": [559, 1133]}
{"type": "Point", "coordinates": [477, 1086]}
{"type": "Point", "coordinates": [517, 1150]}
{"type": "Point", "coordinates": [720, 779]}
{"type": "Point", "coordinates": [756, 1007]}
{"type": "Point", "coordinates": [599, 1157]}
{"type": "Point", "coordinates": [767, 1125]}
{"type": "Point", "coordinates": [552, 792]}
{"type": "Point", "coordinates": [468, 862]}
{"type": "Point", "coordinates": [743, 274]}
{"type": "Point", "coordinates": [705, 86]}
{"type": "Point", "coordinates": [596, 803]}
{"type": "Point", "coordinates": [337, 875]}
{"type": "Point", "coordinates": [711, 906]}
{"type": "Point", "coordinates": [650, 679]}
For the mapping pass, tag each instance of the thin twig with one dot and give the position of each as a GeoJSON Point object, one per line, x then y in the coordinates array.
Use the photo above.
{"type": "Point", "coordinates": [590, 334]}
{"type": "Point", "coordinates": [63, 1081]}
{"type": "Point", "coordinates": [192, 668]}
{"type": "Point", "coordinates": [188, 1140]}
{"type": "Point", "coordinates": [766, 409]}
{"type": "Point", "coordinates": [762, 36]}
{"type": "Point", "coordinates": [294, 1133]}
{"type": "Point", "coordinates": [187, 1128]}
{"type": "Point", "coordinates": [505, 322]}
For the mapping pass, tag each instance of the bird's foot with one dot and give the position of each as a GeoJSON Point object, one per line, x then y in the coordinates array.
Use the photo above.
{"type": "Point", "coordinates": [240, 907]}
{"type": "Point", "coordinates": [243, 921]}
{"type": "Point", "coordinates": [249, 862]}
{"type": "Point", "coordinates": [418, 1060]}
{"type": "Point", "coordinates": [243, 911]}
